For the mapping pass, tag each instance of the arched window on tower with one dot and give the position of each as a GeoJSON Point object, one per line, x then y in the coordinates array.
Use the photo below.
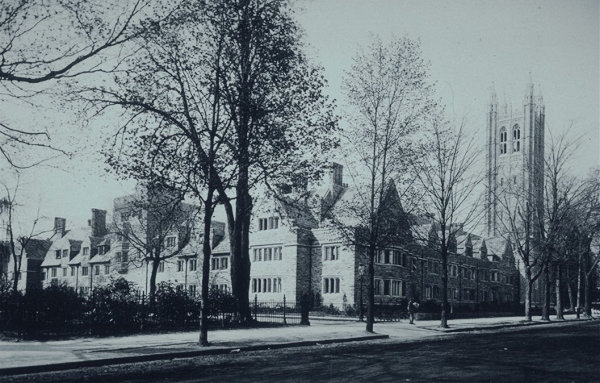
{"type": "Point", "coordinates": [516, 138]}
{"type": "Point", "coordinates": [503, 139]}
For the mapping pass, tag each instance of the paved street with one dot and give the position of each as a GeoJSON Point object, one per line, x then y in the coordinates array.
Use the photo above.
{"type": "Point", "coordinates": [559, 353]}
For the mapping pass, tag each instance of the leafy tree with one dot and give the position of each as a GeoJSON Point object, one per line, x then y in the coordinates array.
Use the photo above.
{"type": "Point", "coordinates": [231, 101]}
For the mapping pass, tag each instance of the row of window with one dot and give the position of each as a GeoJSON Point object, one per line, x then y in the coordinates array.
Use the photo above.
{"type": "Point", "coordinates": [219, 263]}
{"type": "Point", "coordinates": [192, 265]}
{"type": "Point", "coordinates": [266, 285]}
{"type": "Point", "coordinates": [268, 223]}
{"type": "Point", "coordinates": [85, 270]}
{"type": "Point", "coordinates": [394, 257]}
{"type": "Point", "coordinates": [391, 287]}
{"type": "Point", "coordinates": [267, 254]}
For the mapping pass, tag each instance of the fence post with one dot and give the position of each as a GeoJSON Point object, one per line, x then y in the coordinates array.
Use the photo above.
{"type": "Point", "coordinates": [284, 320]}
{"type": "Point", "coordinates": [255, 307]}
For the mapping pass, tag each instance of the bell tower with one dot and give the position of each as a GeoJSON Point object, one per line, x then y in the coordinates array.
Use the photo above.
{"type": "Point", "coordinates": [514, 157]}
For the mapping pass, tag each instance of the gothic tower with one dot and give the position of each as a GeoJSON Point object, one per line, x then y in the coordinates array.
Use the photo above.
{"type": "Point", "coordinates": [515, 157]}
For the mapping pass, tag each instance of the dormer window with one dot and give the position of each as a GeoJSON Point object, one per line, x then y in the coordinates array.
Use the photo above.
{"type": "Point", "coordinates": [86, 251]}
{"type": "Point", "coordinates": [65, 253]}
{"type": "Point", "coordinates": [101, 250]}
{"type": "Point", "coordinates": [170, 241]}
{"type": "Point", "coordinates": [268, 223]}
{"type": "Point", "coordinates": [57, 252]}
{"type": "Point", "coordinates": [503, 139]}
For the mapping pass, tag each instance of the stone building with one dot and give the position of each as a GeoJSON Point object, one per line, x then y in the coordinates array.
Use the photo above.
{"type": "Point", "coordinates": [295, 251]}
{"type": "Point", "coordinates": [514, 156]}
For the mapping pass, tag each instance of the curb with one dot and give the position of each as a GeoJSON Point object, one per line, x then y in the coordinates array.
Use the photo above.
{"type": "Point", "coordinates": [175, 355]}
{"type": "Point", "coordinates": [508, 325]}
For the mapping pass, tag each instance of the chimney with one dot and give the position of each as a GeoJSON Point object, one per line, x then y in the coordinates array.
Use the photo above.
{"type": "Point", "coordinates": [60, 226]}
{"type": "Point", "coordinates": [336, 175]}
{"type": "Point", "coordinates": [98, 223]}
{"type": "Point", "coordinates": [218, 233]}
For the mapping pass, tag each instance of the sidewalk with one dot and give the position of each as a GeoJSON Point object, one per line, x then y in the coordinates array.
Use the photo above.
{"type": "Point", "coordinates": [30, 356]}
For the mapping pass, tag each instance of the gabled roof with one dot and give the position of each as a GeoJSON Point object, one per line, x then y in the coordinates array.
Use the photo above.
{"type": "Point", "coordinates": [223, 246]}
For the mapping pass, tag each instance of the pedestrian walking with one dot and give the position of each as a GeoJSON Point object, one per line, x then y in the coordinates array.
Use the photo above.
{"type": "Point", "coordinates": [412, 308]}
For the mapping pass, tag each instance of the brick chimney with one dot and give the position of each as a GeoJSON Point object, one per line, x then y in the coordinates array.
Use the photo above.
{"type": "Point", "coordinates": [98, 223]}
{"type": "Point", "coordinates": [336, 174]}
{"type": "Point", "coordinates": [60, 226]}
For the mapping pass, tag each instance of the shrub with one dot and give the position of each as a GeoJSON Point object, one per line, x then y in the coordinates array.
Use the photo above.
{"type": "Point", "coordinates": [114, 307]}
{"type": "Point", "coordinates": [174, 305]}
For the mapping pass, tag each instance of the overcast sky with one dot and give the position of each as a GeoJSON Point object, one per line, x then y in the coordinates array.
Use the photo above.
{"type": "Point", "coordinates": [470, 44]}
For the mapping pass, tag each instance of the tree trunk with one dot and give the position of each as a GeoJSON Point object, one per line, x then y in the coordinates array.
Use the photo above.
{"type": "Point", "coordinates": [444, 320]}
{"type": "Point", "coordinates": [587, 307]}
{"type": "Point", "coordinates": [206, 251]}
{"type": "Point", "coordinates": [240, 258]}
{"type": "Point", "coordinates": [570, 290]}
{"type": "Point", "coordinates": [578, 284]}
{"type": "Point", "coordinates": [546, 305]}
{"type": "Point", "coordinates": [371, 290]}
{"type": "Point", "coordinates": [16, 272]}
{"type": "Point", "coordinates": [155, 264]}
{"type": "Point", "coordinates": [558, 278]}
{"type": "Point", "coordinates": [528, 288]}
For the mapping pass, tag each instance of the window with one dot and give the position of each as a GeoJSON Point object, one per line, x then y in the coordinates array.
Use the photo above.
{"type": "Point", "coordinates": [331, 253]}
{"type": "Point", "coordinates": [436, 291]}
{"type": "Point", "coordinates": [273, 222]}
{"type": "Point", "coordinates": [378, 287]}
{"type": "Point", "coordinates": [101, 250]}
{"type": "Point", "coordinates": [57, 254]}
{"type": "Point", "coordinates": [43, 276]}
{"type": "Point", "coordinates": [396, 257]}
{"type": "Point", "coordinates": [454, 270]}
{"type": "Point", "coordinates": [72, 271]}
{"type": "Point", "coordinates": [64, 272]}
{"type": "Point", "coordinates": [170, 241]}
{"type": "Point", "coordinates": [331, 285]}
{"type": "Point", "coordinates": [428, 292]}
{"type": "Point", "coordinates": [386, 287]}
{"type": "Point", "coordinates": [84, 270]}
{"type": "Point", "coordinates": [413, 262]}
{"type": "Point", "coordinates": [262, 223]}
{"type": "Point", "coordinates": [501, 181]}
{"type": "Point", "coordinates": [86, 251]}
{"type": "Point", "coordinates": [516, 138]}
{"type": "Point", "coordinates": [386, 256]}
{"type": "Point", "coordinates": [193, 264]}
{"type": "Point", "coordinates": [97, 270]}
{"type": "Point", "coordinates": [214, 264]}
{"type": "Point", "coordinates": [192, 289]}
{"type": "Point", "coordinates": [161, 267]}
{"type": "Point", "coordinates": [224, 263]}
{"type": "Point", "coordinates": [397, 288]}
{"type": "Point", "coordinates": [107, 269]}
{"type": "Point", "coordinates": [379, 256]}
{"type": "Point", "coordinates": [503, 139]}
{"type": "Point", "coordinates": [54, 272]}
{"type": "Point", "coordinates": [404, 259]}
{"type": "Point", "coordinates": [180, 265]}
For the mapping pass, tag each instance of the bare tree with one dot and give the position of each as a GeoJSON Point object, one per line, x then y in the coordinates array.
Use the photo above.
{"type": "Point", "coordinates": [448, 189]}
{"type": "Point", "coordinates": [157, 225]}
{"type": "Point", "coordinates": [42, 42]}
{"type": "Point", "coordinates": [517, 207]}
{"type": "Point", "coordinates": [19, 240]}
{"type": "Point", "coordinates": [389, 99]}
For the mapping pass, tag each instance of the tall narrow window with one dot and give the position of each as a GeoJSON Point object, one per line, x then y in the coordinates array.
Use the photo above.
{"type": "Point", "coordinates": [516, 138]}
{"type": "Point", "coordinates": [503, 139]}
